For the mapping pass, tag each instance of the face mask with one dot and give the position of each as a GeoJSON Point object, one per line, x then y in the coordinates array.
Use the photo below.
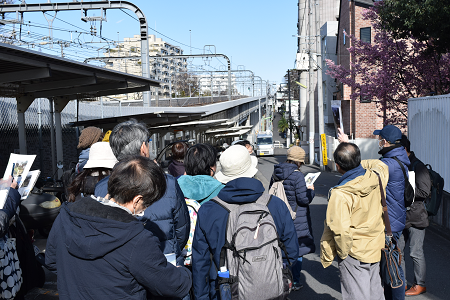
{"type": "Point", "coordinates": [380, 145]}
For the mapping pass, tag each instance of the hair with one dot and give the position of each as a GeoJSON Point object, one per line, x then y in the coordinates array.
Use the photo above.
{"type": "Point", "coordinates": [85, 182]}
{"type": "Point", "coordinates": [347, 156]}
{"type": "Point", "coordinates": [127, 137]}
{"type": "Point", "coordinates": [405, 143]}
{"type": "Point", "coordinates": [136, 175]}
{"type": "Point", "coordinates": [297, 163]}
{"type": "Point", "coordinates": [179, 150]}
{"type": "Point", "coordinates": [243, 143]}
{"type": "Point", "coordinates": [199, 159]}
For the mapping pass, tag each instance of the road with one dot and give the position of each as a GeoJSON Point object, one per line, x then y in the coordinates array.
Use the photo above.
{"type": "Point", "coordinates": [320, 283]}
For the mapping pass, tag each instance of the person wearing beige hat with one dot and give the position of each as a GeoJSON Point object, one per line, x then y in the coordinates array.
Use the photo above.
{"type": "Point", "coordinates": [88, 137]}
{"type": "Point", "coordinates": [299, 197]}
{"type": "Point", "coordinates": [99, 165]}
{"type": "Point", "coordinates": [237, 172]}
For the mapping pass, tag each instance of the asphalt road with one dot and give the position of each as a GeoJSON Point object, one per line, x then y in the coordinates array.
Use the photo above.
{"type": "Point", "coordinates": [320, 283]}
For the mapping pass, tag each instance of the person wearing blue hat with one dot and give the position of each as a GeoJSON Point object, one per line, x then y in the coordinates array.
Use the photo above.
{"type": "Point", "coordinates": [394, 154]}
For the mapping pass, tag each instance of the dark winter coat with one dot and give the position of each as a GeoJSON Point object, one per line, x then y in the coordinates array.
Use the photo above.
{"type": "Point", "coordinates": [9, 210]}
{"type": "Point", "coordinates": [395, 188]}
{"type": "Point", "coordinates": [103, 252]}
{"type": "Point", "coordinates": [209, 235]}
{"type": "Point", "coordinates": [299, 198]}
{"type": "Point", "coordinates": [167, 218]}
{"type": "Point", "coordinates": [417, 215]}
{"type": "Point", "coordinates": [176, 168]}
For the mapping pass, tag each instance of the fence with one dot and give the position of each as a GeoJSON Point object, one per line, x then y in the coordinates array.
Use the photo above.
{"type": "Point", "coordinates": [38, 120]}
{"type": "Point", "coordinates": [38, 132]}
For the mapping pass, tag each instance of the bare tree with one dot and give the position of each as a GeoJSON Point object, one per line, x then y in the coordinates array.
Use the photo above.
{"type": "Point", "coordinates": [186, 84]}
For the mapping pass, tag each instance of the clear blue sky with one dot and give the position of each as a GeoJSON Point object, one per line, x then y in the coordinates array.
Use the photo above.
{"type": "Point", "coordinates": [256, 34]}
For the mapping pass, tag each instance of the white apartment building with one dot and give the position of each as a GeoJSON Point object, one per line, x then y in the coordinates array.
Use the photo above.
{"type": "Point", "coordinates": [162, 69]}
{"type": "Point", "coordinates": [218, 83]}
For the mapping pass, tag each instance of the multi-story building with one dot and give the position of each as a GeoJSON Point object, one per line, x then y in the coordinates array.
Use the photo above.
{"type": "Point", "coordinates": [163, 69]}
{"type": "Point", "coordinates": [360, 117]}
{"type": "Point", "coordinates": [218, 83]}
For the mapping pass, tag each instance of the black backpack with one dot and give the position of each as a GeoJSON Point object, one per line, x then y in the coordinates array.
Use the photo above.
{"type": "Point", "coordinates": [409, 190]}
{"type": "Point", "coordinates": [437, 191]}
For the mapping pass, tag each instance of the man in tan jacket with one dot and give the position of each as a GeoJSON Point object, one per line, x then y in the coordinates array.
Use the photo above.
{"type": "Point", "coordinates": [354, 226]}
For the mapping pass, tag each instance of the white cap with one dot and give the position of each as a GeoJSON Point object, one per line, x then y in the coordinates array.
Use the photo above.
{"type": "Point", "coordinates": [101, 156]}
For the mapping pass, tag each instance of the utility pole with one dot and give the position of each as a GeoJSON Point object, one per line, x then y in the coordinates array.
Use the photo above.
{"type": "Point", "coordinates": [289, 120]}
{"type": "Point", "coordinates": [319, 81]}
{"type": "Point", "coordinates": [303, 75]}
{"type": "Point", "coordinates": [310, 86]}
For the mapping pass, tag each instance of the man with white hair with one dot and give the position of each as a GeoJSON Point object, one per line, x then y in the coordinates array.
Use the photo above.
{"type": "Point", "coordinates": [237, 172]}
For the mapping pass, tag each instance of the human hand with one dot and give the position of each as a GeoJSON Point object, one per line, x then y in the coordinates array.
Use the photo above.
{"type": "Point", "coordinates": [342, 137]}
{"type": "Point", "coordinates": [14, 184]}
{"type": "Point", "coordinates": [6, 183]}
{"type": "Point", "coordinates": [311, 187]}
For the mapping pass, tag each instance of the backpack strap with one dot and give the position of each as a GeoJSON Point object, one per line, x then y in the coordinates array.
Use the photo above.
{"type": "Point", "coordinates": [264, 199]}
{"type": "Point", "coordinates": [403, 168]}
{"type": "Point", "coordinates": [414, 164]}
{"type": "Point", "coordinates": [387, 222]}
{"type": "Point", "coordinates": [222, 203]}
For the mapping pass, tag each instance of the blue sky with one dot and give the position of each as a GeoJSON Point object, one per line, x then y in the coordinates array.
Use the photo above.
{"type": "Point", "coordinates": [255, 34]}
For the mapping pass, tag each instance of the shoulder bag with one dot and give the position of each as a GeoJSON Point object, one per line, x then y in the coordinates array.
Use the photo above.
{"type": "Point", "coordinates": [390, 254]}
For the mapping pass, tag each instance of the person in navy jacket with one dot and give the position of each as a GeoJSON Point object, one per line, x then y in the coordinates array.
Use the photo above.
{"type": "Point", "coordinates": [390, 147]}
{"type": "Point", "coordinates": [236, 172]}
{"type": "Point", "coordinates": [168, 218]}
{"type": "Point", "coordinates": [299, 197]}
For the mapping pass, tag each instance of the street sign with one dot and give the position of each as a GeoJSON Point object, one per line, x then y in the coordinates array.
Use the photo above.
{"type": "Point", "coordinates": [323, 137]}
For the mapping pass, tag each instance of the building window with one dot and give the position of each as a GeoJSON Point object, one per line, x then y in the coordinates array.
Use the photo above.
{"type": "Point", "coordinates": [365, 35]}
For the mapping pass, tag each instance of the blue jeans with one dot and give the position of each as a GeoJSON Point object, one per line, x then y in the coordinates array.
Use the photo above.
{"type": "Point", "coordinates": [296, 269]}
{"type": "Point", "coordinates": [398, 293]}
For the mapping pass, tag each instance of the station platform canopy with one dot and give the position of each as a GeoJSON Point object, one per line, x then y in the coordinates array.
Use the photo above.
{"type": "Point", "coordinates": [233, 134]}
{"type": "Point", "coordinates": [27, 75]}
{"type": "Point", "coordinates": [161, 119]}
{"type": "Point", "coordinates": [32, 74]}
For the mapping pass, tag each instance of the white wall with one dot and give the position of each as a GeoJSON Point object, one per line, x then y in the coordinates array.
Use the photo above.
{"type": "Point", "coordinates": [429, 132]}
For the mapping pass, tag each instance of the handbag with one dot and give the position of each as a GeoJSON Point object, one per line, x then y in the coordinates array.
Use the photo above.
{"type": "Point", "coordinates": [390, 254]}
{"type": "Point", "coordinates": [10, 272]}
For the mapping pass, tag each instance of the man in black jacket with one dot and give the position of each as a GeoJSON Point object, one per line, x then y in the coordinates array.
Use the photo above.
{"type": "Point", "coordinates": [416, 221]}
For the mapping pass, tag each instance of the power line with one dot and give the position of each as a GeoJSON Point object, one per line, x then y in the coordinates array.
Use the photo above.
{"type": "Point", "coordinates": [162, 33]}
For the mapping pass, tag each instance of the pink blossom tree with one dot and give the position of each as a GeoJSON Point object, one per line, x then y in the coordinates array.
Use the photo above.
{"type": "Point", "coordinates": [390, 71]}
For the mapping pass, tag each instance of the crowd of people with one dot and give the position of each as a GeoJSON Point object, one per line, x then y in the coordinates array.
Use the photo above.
{"type": "Point", "coordinates": [209, 231]}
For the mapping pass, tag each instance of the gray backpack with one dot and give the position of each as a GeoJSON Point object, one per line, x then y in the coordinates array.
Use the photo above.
{"type": "Point", "coordinates": [277, 189]}
{"type": "Point", "coordinates": [251, 257]}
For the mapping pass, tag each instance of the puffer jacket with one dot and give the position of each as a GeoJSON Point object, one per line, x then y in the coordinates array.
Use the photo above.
{"type": "Point", "coordinates": [299, 197]}
{"type": "Point", "coordinates": [354, 222]}
{"type": "Point", "coordinates": [168, 218]}
{"type": "Point", "coordinates": [395, 189]}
